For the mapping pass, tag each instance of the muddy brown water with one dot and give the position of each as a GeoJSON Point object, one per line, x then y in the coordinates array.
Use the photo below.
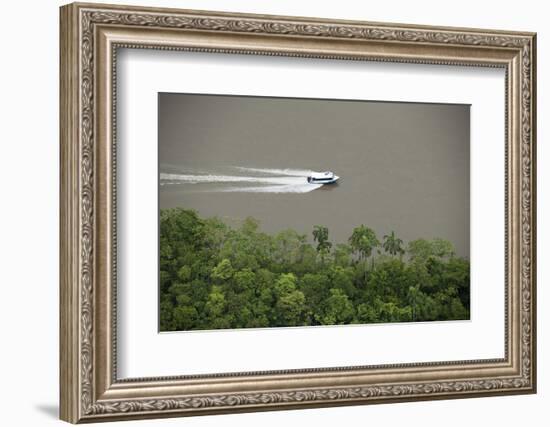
{"type": "Point", "coordinates": [402, 166]}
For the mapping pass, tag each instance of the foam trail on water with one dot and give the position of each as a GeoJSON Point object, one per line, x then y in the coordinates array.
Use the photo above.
{"type": "Point", "coordinates": [300, 188]}
{"type": "Point", "coordinates": [287, 172]}
{"type": "Point", "coordinates": [213, 179]}
{"type": "Point", "coordinates": [250, 180]}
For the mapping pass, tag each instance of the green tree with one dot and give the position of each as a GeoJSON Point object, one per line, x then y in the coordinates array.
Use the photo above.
{"type": "Point", "coordinates": [393, 245]}
{"type": "Point", "coordinates": [338, 309]}
{"type": "Point", "coordinates": [291, 309]}
{"type": "Point", "coordinates": [342, 255]}
{"type": "Point", "coordinates": [287, 249]}
{"type": "Point", "coordinates": [363, 241]}
{"type": "Point", "coordinates": [213, 276]}
{"type": "Point", "coordinates": [320, 235]}
{"type": "Point", "coordinates": [166, 315]}
{"type": "Point", "coordinates": [215, 309]}
{"type": "Point", "coordinates": [316, 289]}
{"type": "Point", "coordinates": [367, 313]}
{"type": "Point", "coordinates": [290, 302]}
{"type": "Point", "coordinates": [342, 278]}
{"type": "Point", "coordinates": [442, 248]}
{"type": "Point", "coordinates": [215, 235]}
{"type": "Point", "coordinates": [250, 226]}
{"type": "Point", "coordinates": [215, 305]}
{"type": "Point", "coordinates": [185, 317]}
{"type": "Point", "coordinates": [420, 250]}
{"type": "Point", "coordinates": [390, 280]}
{"type": "Point", "coordinates": [223, 271]}
{"type": "Point", "coordinates": [244, 282]}
{"type": "Point", "coordinates": [184, 273]}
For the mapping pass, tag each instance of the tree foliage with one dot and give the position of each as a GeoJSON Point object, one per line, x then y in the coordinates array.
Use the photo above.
{"type": "Point", "coordinates": [213, 276]}
{"type": "Point", "coordinates": [393, 245]}
{"type": "Point", "coordinates": [363, 241]}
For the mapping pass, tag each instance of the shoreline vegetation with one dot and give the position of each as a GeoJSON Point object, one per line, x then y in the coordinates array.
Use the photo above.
{"type": "Point", "coordinates": [214, 276]}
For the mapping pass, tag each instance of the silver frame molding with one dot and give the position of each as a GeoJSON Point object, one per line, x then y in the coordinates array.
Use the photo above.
{"type": "Point", "coordinates": [90, 37]}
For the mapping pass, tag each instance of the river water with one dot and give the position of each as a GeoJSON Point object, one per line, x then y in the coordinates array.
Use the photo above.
{"type": "Point", "coordinates": [402, 166]}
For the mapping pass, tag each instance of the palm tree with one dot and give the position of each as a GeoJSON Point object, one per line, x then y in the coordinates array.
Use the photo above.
{"type": "Point", "coordinates": [393, 245]}
{"type": "Point", "coordinates": [320, 235]}
{"type": "Point", "coordinates": [363, 240]}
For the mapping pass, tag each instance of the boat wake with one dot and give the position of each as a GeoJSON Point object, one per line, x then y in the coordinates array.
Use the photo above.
{"type": "Point", "coordinates": [244, 180]}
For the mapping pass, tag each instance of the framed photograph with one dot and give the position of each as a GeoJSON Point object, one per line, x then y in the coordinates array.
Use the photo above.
{"type": "Point", "coordinates": [266, 212]}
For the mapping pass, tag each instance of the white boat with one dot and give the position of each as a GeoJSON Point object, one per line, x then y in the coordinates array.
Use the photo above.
{"type": "Point", "coordinates": [322, 178]}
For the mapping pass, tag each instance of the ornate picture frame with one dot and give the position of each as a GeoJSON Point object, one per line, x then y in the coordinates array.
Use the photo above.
{"type": "Point", "coordinates": [90, 37]}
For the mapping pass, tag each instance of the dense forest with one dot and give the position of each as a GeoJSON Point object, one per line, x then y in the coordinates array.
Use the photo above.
{"type": "Point", "coordinates": [213, 276]}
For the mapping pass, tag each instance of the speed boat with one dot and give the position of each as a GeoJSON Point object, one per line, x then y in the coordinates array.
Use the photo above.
{"type": "Point", "coordinates": [322, 178]}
